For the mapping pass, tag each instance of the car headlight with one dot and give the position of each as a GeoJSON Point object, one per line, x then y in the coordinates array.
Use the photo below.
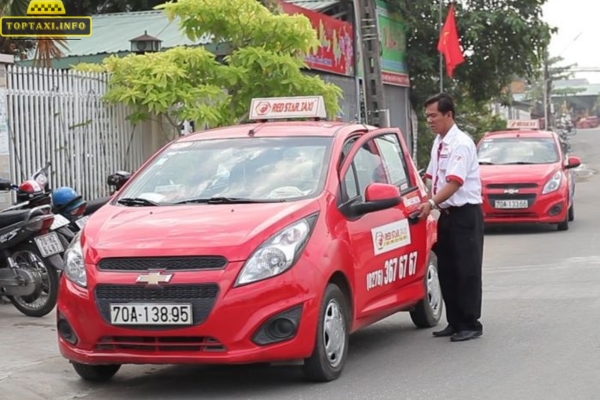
{"type": "Point", "coordinates": [278, 254]}
{"type": "Point", "coordinates": [74, 265]}
{"type": "Point", "coordinates": [554, 183]}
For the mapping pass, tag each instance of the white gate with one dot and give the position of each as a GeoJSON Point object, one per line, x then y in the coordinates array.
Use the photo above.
{"type": "Point", "coordinates": [58, 116]}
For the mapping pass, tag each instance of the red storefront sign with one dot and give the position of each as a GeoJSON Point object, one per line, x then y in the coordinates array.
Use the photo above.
{"type": "Point", "coordinates": [336, 52]}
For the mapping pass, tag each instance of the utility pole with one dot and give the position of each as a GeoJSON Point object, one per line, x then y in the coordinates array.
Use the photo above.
{"type": "Point", "coordinates": [377, 112]}
{"type": "Point", "coordinates": [547, 94]}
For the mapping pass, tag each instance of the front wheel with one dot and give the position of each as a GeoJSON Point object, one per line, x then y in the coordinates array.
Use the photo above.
{"type": "Point", "coordinates": [572, 213]}
{"type": "Point", "coordinates": [43, 300]}
{"type": "Point", "coordinates": [331, 344]}
{"type": "Point", "coordinates": [96, 373]}
{"type": "Point", "coordinates": [428, 311]}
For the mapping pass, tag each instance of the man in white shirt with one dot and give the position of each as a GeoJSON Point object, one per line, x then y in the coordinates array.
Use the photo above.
{"type": "Point", "coordinates": [456, 192]}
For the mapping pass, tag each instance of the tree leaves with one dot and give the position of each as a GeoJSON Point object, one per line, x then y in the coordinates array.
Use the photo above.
{"type": "Point", "coordinates": [502, 39]}
{"type": "Point", "coordinates": [181, 83]}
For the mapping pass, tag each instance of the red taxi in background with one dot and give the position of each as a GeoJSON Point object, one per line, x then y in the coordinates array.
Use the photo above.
{"type": "Point", "coordinates": [526, 176]}
{"type": "Point", "coordinates": [262, 242]}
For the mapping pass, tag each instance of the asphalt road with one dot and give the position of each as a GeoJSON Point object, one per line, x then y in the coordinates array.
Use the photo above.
{"type": "Point", "coordinates": [541, 339]}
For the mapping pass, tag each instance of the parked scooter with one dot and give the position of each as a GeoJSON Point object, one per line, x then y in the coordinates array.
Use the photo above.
{"type": "Point", "coordinates": [70, 205]}
{"type": "Point", "coordinates": [36, 191]}
{"type": "Point", "coordinates": [30, 258]}
{"type": "Point", "coordinates": [116, 181]}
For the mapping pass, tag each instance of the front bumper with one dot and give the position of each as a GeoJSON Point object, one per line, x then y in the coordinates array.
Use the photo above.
{"type": "Point", "coordinates": [227, 335]}
{"type": "Point", "coordinates": [549, 208]}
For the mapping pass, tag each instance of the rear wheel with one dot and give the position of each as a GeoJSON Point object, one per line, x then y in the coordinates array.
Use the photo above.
{"type": "Point", "coordinates": [96, 373]}
{"type": "Point", "coordinates": [43, 300]}
{"type": "Point", "coordinates": [331, 344]}
{"type": "Point", "coordinates": [428, 312]}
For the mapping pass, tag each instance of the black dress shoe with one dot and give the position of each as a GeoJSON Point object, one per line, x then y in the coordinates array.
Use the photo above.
{"type": "Point", "coordinates": [447, 331]}
{"type": "Point", "coordinates": [466, 335]}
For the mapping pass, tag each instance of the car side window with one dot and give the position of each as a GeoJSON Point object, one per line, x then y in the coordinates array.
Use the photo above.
{"type": "Point", "coordinates": [394, 161]}
{"type": "Point", "coordinates": [350, 184]}
{"type": "Point", "coordinates": [367, 167]}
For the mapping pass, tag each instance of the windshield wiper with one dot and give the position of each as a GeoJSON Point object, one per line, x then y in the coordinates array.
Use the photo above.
{"type": "Point", "coordinates": [519, 163]}
{"type": "Point", "coordinates": [136, 201]}
{"type": "Point", "coordinates": [227, 200]}
{"type": "Point", "coordinates": [486, 163]}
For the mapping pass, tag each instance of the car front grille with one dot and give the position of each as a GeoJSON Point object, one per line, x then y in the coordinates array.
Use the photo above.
{"type": "Point", "coordinates": [512, 186]}
{"type": "Point", "coordinates": [202, 297]}
{"type": "Point", "coordinates": [162, 263]}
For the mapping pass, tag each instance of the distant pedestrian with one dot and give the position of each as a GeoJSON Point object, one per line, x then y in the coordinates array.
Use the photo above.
{"type": "Point", "coordinates": [456, 192]}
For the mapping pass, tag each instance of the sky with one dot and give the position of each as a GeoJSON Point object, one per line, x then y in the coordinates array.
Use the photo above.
{"type": "Point", "coordinates": [578, 36]}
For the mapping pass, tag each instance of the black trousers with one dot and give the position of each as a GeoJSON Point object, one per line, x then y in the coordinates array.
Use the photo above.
{"type": "Point", "coordinates": [459, 250]}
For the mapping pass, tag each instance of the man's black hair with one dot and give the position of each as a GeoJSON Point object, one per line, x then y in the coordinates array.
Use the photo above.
{"type": "Point", "coordinates": [445, 103]}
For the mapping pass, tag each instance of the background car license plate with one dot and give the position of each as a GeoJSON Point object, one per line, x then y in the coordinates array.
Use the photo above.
{"type": "Point", "coordinates": [151, 314]}
{"type": "Point", "coordinates": [511, 204]}
{"type": "Point", "coordinates": [49, 244]}
{"type": "Point", "coordinates": [59, 222]}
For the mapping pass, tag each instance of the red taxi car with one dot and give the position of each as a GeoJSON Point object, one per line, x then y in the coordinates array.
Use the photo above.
{"type": "Point", "coordinates": [262, 242]}
{"type": "Point", "coordinates": [526, 176]}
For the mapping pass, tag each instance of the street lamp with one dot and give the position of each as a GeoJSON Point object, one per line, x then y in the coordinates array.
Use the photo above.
{"type": "Point", "coordinates": [145, 43]}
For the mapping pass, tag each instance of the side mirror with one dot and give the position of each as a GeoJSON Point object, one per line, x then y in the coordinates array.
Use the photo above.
{"type": "Point", "coordinates": [118, 179]}
{"type": "Point", "coordinates": [5, 184]}
{"type": "Point", "coordinates": [379, 196]}
{"type": "Point", "coordinates": [573, 162]}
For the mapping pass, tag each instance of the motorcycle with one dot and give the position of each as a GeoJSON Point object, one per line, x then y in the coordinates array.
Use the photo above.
{"type": "Point", "coordinates": [30, 258]}
{"type": "Point", "coordinates": [35, 192]}
{"type": "Point", "coordinates": [68, 220]}
{"type": "Point", "coordinates": [564, 140]}
{"type": "Point", "coordinates": [116, 181]}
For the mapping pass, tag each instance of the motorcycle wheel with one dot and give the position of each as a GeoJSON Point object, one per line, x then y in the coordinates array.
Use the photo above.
{"type": "Point", "coordinates": [43, 300]}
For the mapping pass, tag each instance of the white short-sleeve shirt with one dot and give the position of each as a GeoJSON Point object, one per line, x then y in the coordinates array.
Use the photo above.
{"type": "Point", "coordinates": [454, 157]}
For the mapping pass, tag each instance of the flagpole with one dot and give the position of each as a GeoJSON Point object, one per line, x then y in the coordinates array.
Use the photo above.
{"type": "Point", "coordinates": [441, 57]}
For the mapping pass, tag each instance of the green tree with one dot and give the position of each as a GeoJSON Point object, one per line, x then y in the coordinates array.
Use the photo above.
{"type": "Point", "coordinates": [501, 39]}
{"type": "Point", "coordinates": [266, 59]}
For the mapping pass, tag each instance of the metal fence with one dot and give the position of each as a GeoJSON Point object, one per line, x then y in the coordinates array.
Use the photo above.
{"type": "Point", "coordinates": [58, 116]}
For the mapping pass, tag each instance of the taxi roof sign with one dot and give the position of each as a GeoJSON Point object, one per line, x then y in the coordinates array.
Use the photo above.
{"type": "Point", "coordinates": [287, 107]}
{"type": "Point", "coordinates": [523, 124]}
{"type": "Point", "coordinates": [46, 7]}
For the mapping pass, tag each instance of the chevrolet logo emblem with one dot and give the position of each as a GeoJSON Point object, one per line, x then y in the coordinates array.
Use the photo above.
{"type": "Point", "coordinates": [511, 191]}
{"type": "Point", "coordinates": [154, 278]}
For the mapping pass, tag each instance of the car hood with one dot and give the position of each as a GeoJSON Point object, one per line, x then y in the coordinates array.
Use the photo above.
{"type": "Point", "coordinates": [516, 173]}
{"type": "Point", "coordinates": [230, 230]}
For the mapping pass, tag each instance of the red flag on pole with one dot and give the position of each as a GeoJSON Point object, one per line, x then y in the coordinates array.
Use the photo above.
{"type": "Point", "coordinates": [448, 44]}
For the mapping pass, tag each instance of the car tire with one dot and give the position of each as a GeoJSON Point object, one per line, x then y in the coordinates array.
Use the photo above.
{"type": "Point", "coordinates": [332, 338]}
{"type": "Point", "coordinates": [96, 373]}
{"type": "Point", "coordinates": [428, 312]}
{"type": "Point", "coordinates": [572, 213]}
{"type": "Point", "coordinates": [564, 226]}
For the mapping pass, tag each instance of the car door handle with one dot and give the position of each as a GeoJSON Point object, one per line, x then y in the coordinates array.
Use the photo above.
{"type": "Point", "coordinates": [413, 218]}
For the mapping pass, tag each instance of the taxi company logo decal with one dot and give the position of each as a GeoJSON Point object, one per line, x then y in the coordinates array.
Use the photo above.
{"type": "Point", "coordinates": [390, 237]}
{"type": "Point", "coordinates": [263, 108]}
{"type": "Point", "coordinates": [45, 19]}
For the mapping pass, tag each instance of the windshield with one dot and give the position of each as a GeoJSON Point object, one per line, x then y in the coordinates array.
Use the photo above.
{"type": "Point", "coordinates": [499, 151]}
{"type": "Point", "coordinates": [240, 170]}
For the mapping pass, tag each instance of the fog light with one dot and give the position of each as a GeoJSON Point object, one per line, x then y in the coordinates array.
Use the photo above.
{"type": "Point", "coordinates": [66, 331]}
{"type": "Point", "coordinates": [278, 328]}
{"type": "Point", "coordinates": [555, 210]}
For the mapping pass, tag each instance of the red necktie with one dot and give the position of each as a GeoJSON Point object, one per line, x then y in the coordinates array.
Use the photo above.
{"type": "Point", "coordinates": [439, 152]}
